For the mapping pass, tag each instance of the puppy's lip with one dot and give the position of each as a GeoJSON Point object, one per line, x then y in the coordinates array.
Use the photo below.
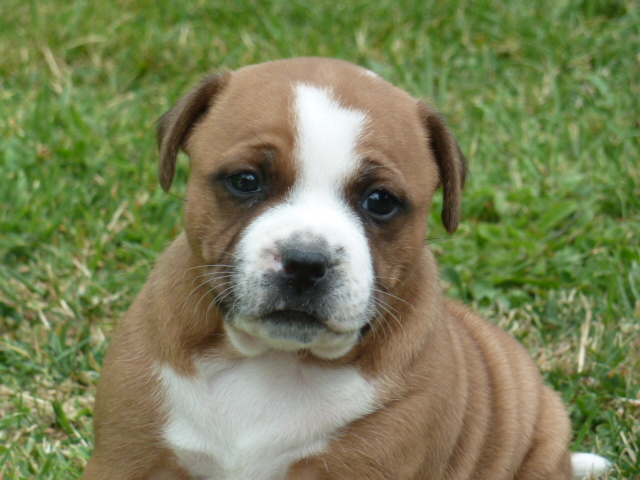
{"type": "Point", "coordinates": [252, 343]}
{"type": "Point", "coordinates": [302, 319]}
{"type": "Point", "coordinates": [294, 317]}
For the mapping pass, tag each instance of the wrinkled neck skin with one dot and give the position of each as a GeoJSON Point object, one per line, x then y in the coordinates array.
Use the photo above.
{"type": "Point", "coordinates": [392, 347]}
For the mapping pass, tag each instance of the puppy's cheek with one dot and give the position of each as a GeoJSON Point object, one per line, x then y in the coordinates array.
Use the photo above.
{"type": "Point", "coordinates": [250, 288]}
{"type": "Point", "coordinates": [197, 228]}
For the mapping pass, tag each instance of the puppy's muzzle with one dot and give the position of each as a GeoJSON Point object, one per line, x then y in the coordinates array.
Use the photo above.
{"type": "Point", "coordinates": [303, 280]}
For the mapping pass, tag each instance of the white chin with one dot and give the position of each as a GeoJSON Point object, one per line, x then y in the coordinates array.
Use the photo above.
{"type": "Point", "coordinates": [252, 345]}
{"type": "Point", "coordinates": [245, 343]}
{"type": "Point", "coordinates": [331, 352]}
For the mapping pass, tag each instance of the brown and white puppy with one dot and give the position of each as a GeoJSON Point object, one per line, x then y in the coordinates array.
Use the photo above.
{"type": "Point", "coordinates": [297, 329]}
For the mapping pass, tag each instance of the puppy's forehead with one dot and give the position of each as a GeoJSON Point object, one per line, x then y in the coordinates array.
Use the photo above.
{"type": "Point", "coordinates": [351, 86]}
{"type": "Point", "coordinates": [312, 107]}
{"type": "Point", "coordinates": [326, 137]}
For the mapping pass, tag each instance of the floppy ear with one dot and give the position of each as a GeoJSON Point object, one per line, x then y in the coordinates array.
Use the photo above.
{"type": "Point", "coordinates": [175, 125]}
{"type": "Point", "coordinates": [452, 165]}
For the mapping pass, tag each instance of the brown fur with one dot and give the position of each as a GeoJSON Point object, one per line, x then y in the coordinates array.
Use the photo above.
{"type": "Point", "coordinates": [461, 399]}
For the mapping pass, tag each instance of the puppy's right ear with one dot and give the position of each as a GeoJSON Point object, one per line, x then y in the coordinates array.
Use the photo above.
{"type": "Point", "coordinates": [175, 125]}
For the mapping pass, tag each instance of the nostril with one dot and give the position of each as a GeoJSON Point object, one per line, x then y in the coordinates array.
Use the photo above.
{"type": "Point", "coordinates": [318, 270]}
{"type": "Point", "coordinates": [304, 268]}
{"type": "Point", "coordinates": [290, 268]}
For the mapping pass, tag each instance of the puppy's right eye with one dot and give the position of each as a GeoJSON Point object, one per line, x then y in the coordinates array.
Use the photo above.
{"type": "Point", "coordinates": [245, 183]}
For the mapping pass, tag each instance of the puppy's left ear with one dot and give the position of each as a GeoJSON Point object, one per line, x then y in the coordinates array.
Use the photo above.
{"type": "Point", "coordinates": [175, 125]}
{"type": "Point", "coordinates": [452, 165]}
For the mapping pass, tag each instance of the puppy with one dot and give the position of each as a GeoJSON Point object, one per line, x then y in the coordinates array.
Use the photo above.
{"type": "Point", "coordinates": [297, 329]}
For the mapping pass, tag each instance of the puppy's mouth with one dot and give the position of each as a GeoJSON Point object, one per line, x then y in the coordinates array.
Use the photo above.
{"type": "Point", "coordinates": [289, 330]}
{"type": "Point", "coordinates": [293, 323]}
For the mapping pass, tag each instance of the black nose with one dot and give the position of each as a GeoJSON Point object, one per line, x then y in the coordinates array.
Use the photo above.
{"type": "Point", "coordinates": [303, 269]}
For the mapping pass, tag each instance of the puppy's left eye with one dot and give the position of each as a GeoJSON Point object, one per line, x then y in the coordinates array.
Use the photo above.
{"type": "Point", "coordinates": [381, 204]}
{"type": "Point", "coordinates": [245, 183]}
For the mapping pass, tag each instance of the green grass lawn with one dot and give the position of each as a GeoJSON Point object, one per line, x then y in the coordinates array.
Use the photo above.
{"type": "Point", "coordinates": [543, 96]}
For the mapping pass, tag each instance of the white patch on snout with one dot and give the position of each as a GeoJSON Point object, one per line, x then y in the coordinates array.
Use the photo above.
{"type": "Point", "coordinates": [326, 155]}
{"type": "Point", "coordinates": [253, 418]}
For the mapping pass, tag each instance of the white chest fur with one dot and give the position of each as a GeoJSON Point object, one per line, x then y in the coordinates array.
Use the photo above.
{"type": "Point", "coordinates": [253, 418]}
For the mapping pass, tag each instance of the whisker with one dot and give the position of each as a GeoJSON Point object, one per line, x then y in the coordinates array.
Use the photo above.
{"type": "Point", "coordinates": [382, 320]}
{"type": "Point", "coordinates": [222, 292]}
{"type": "Point", "coordinates": [219, 275]}
{"type": "Point", "coordinates": [394, 296]}
{"type": "Point", "coordinates": [382, 302]}
{"type": "Point", "coordinates": [212, 265]}
{"type": "Point", "coordinates": [207, 293]}
{"type": "Point", "coordinates": [207, 266]}
{"type": "Point", "coordinates": [213, 302]}
{"type": "Point", "coordinates": [226, 252]}
{"type": "Point", "coordinates": [207, 282]}
{"type": "Point", "coordinates": [396, 319]}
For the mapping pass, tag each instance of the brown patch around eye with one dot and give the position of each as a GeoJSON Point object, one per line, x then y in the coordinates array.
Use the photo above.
{"type": "Point", "coordinates": [375, 178]}
{"type": "Point", "coordinates": [248, 181]}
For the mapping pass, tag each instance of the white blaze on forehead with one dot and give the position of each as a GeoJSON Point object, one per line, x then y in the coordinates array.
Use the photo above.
{"type": "Point", "coordinates": [327, 139]}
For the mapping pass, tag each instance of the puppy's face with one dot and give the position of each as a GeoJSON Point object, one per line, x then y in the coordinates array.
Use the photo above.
{"type": "Point", "coordinates": [310, 185]}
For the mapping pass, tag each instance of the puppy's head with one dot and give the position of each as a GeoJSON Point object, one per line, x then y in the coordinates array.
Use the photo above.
{"type": "Point", "coordinates": [311, 181]}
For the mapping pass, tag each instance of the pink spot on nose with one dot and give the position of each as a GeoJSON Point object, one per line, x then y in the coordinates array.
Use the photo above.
{"type": "Point", "coordinates": [275, 262]}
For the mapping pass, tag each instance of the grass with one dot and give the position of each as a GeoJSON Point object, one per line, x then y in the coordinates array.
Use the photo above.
{"type": "Point", "coordinates": [544, 97]}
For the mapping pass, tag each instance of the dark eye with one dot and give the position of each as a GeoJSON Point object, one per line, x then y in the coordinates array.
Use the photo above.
{"type": "Point", "coordinates": [381, 204]}
{"type": "Point", "coordinates": [245, 183]}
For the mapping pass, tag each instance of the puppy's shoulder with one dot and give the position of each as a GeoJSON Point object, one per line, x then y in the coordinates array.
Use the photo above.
{"type": "Point", "coordinates": [490, 343]}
